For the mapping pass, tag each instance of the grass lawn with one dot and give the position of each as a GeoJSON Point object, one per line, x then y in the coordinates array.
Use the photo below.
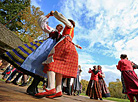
{"type": "Point", "coordinates": [83, 94]}
{"type": "Point", "coordinates": [112, 98]}
{"type": "Point", "coordinates": [116, 99]}
{"type": "Point", "coordinates": [2, 80]}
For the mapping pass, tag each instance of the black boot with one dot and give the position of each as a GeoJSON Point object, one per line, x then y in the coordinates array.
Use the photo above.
{"type": "Point", "coordinates": [14, 82]}
{"type": "Point", "coordinates": [32, 89]}
{"type": "Point", "coordinates": [101, 99]}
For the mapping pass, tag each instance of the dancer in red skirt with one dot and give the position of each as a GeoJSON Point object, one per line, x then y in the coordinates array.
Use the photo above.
{"type": "Point", "coordinates": [62, 60]}
{"type": "Point", "coordinates": [104, 90]}
{"type": "Point", "coordinates": [93, 89]}
{"type": "Point", "coordinates": [128, 77]}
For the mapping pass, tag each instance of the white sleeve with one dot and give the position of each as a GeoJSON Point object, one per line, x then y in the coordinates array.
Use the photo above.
{"type": "Point", "coordinates": [71, 81]}
{"type": "Point", "coordinates": [68, 24]}
{"type": "Point", "coordinates": [42, 21]}
{"type": "Point", "coordinates": [79, 78]}
{"type": "Point", "coordinates": [103, 75]}
{"type": "Point", "coordinates": [61, 18]}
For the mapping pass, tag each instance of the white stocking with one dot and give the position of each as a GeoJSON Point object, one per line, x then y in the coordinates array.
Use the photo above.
{"type": "Point", "coordinates": [51, 79]}
{"type": "Point", "coordinates": [58, 82]}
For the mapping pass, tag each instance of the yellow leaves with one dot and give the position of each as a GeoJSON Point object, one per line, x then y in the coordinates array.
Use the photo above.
{"type": "Point", "coordinates": [115, 89]}
{"type": "Point", "coordinates": [30, 29]}
{"type": "Point", "coordinates": [84, 84]}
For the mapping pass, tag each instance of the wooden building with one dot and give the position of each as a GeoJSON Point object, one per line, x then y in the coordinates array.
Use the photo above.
{"type": "Point", "coordinates": [8, 41]}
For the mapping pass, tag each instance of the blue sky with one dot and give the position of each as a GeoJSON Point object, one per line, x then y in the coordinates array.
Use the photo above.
{"type": "Point", "coordinates": [104, 28]}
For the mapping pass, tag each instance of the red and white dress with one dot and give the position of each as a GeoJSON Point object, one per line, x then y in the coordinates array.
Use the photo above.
{"type": "Point", "coordinates": [128, 77]}
{"type": "Point", "coordinates": [63, 58]}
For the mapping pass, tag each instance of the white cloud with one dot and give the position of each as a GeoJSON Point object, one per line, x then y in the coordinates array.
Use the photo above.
{"type": "Point", "coordinates": [112, 68]}
{"type": "Point", "coordinates": [129, 47]}
{"type": "Point", "coordinates": [85, 58]}
{"type": "Point", "coordinates": [112, 15]}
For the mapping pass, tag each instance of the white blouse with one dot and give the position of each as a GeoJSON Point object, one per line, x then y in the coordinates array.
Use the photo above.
{"type": "Point", "coordinates": [42, 21]}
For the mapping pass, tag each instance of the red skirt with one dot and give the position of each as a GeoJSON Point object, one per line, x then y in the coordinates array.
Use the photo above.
{"type": "Point", "coordinates": [93, 89]}
{"type": "Point", "coordinates": [104, 90]}
{"type": "Point", "coordinates": [130, 82]}
{"type": "Point", "coordinates": [64, 59]}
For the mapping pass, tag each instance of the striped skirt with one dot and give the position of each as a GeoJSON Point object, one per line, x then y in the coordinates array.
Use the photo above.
{"type": "Point", "coordinates": [104, 90]}
{"type": "Point", "coordinates": [28, 58]}
{"type": "Point", "coordinates": [130, 82]}
{"type": "Point", "coordinates": [93, 89]}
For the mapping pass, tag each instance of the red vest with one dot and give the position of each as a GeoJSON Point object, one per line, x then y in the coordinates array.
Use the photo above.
{"type": "Point", "coordinates": [68, 31]}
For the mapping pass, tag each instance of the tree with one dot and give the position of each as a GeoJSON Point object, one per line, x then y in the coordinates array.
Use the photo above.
{"type": "Point", "coordinates": [10, 11]}
{"type": "Point", "coordinates": [115, 89]}
{"type": "Point", "coordinates": [84, 84]}
{"type": "Point", "coordinates": [30, 28]}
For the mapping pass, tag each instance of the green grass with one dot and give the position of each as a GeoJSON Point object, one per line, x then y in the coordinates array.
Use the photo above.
{"type": "Point", "coordinates": [116, 99]}
{"type": "Point", "coordinates": [83, 94]}
{"type": "Point", "coordinates": [2, 80]}
{"type": "Point", "coordinates": [111, 98]}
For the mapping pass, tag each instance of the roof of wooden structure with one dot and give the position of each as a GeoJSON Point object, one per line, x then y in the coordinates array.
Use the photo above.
{"type": "Point", "coordinates": [8, 40]}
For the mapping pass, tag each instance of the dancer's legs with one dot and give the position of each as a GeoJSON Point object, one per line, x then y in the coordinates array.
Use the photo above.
{"type": "Point", "coordinates": [51, 80]}
{"type": "Point", "coordinates": [131, 97]}
{"type": "Point", "coordinates": [58, 82]}
{"type": "Point", "coordinates": [17, 78]}
{"type": "Point", "coordinates": [136, 96]}
{"type": "Point", "coordinates": [25, 77]}
{"type": "Point", "coordinates": [32, 89]}
{"type": "Point", "coordinates": [51, 92]}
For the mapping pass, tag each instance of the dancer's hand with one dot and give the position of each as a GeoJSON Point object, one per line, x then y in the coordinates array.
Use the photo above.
{"type": "Point", "coordinates": [78, 46]}
{"type": "Point", "coordinates": [51, 13]}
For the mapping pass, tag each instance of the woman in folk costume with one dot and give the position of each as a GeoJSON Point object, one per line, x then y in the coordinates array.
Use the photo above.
{"type": "Point", "coordinates": [93, 89]}
{"type": "Point", "coordinates": [104, 90]}
{"type": "Point", "coordinates": [76, 84]}
{"type": "Point", "coordinates": [29, 57]}
{"type": "Point", "coordinates": [62, 60]}
{"type": "Point", "coordinates": [128, 77]}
